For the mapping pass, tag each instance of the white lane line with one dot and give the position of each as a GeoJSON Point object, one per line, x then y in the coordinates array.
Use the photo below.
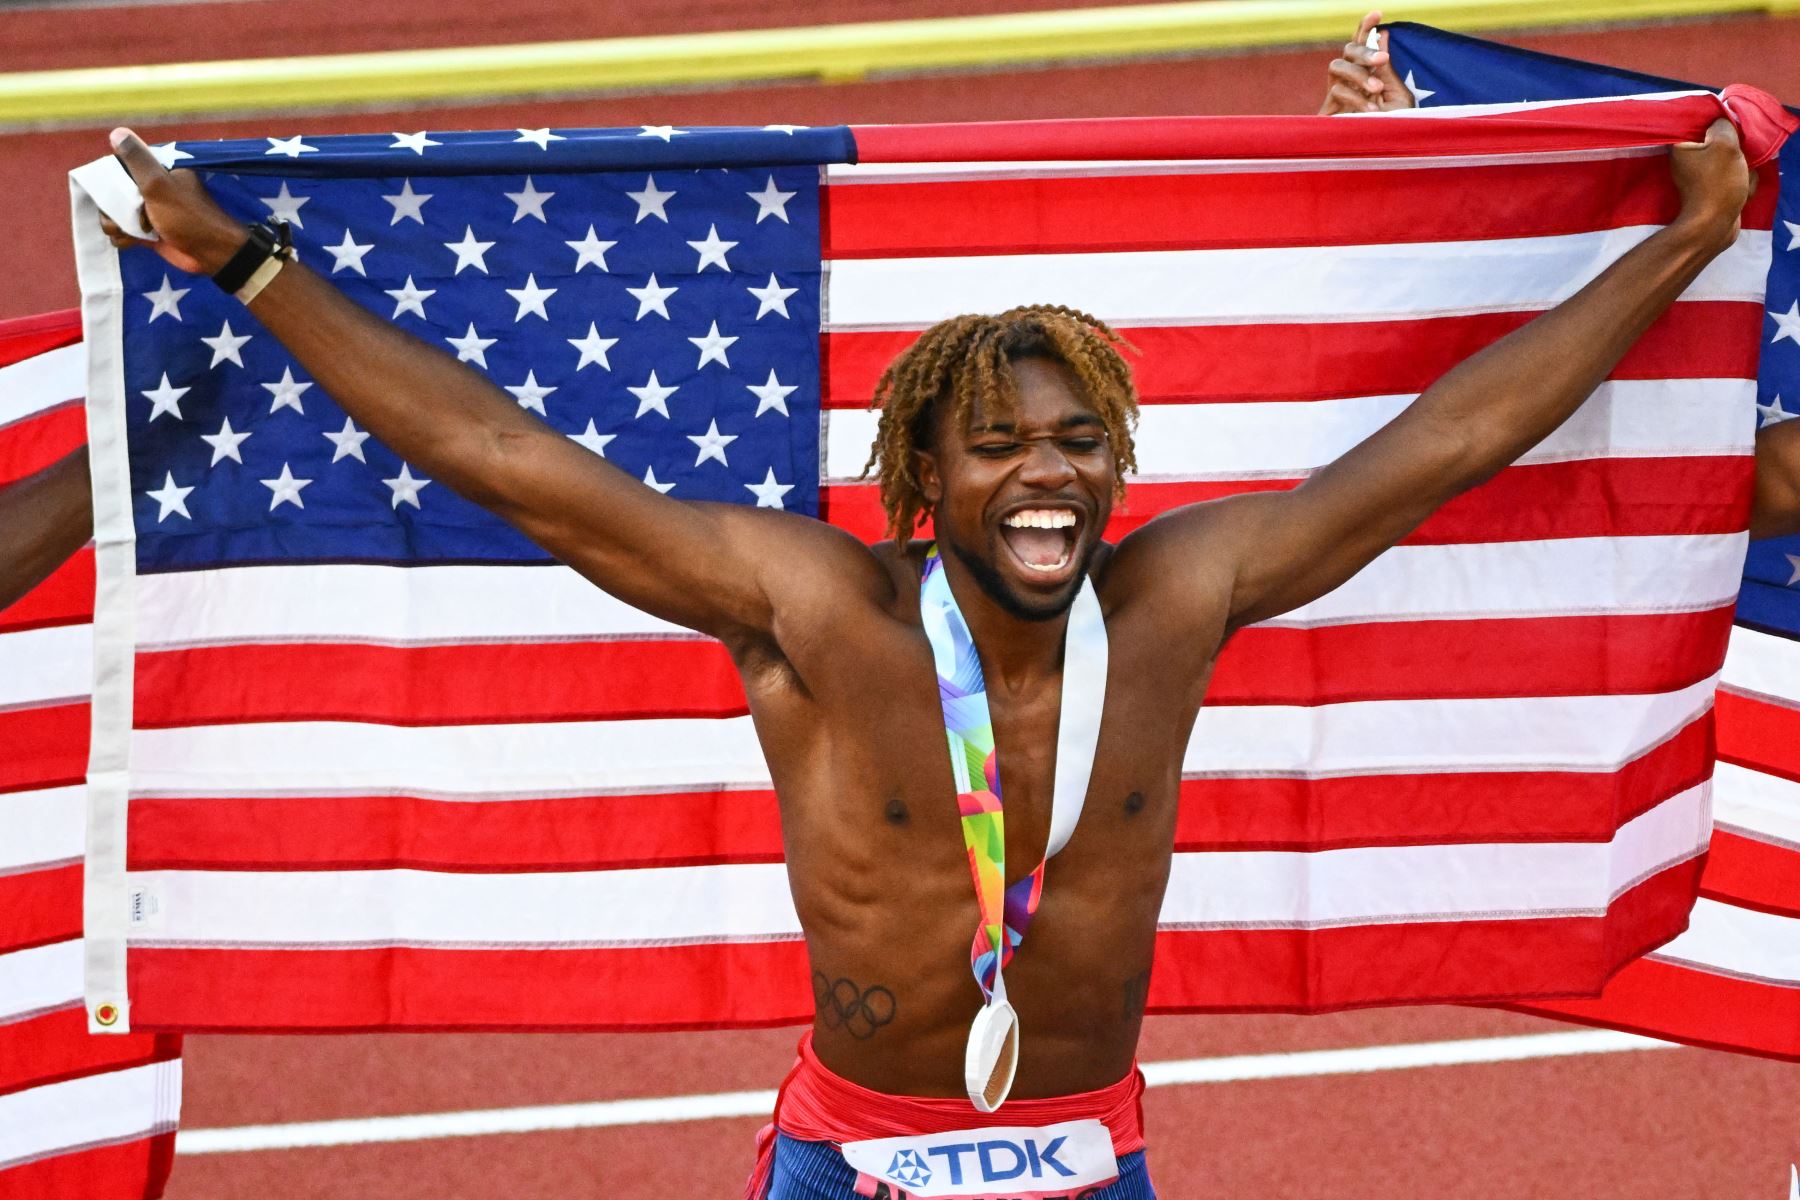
{"type": "Point", "coordinates": [669, 1109]}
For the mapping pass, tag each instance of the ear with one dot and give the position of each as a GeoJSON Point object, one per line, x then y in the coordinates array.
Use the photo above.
{"type": "Point", "coordinates": [925, 470]}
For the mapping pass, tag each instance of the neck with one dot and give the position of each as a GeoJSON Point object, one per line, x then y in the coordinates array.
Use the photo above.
{"type": "Point", "coordinates": [1016, 654]}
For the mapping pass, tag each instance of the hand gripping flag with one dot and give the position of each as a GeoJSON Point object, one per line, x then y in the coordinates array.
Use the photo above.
{"type": "Point", "coordinates": [1733, 979]}
{"type": "Point", "coordinates": [79, 1115]}
{"type": "Point", "coordinates": [376, 762]}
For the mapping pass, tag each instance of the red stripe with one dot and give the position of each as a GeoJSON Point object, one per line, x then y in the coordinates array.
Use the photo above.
{"type": "Point", "coordinates": [1605, 497]}
{"type": "Point", "coordinates": [1753, 874]}
{"type": "Point", "coordinates": [40, 907]}
{"type": "Point", "coordinates": [1430, 809]}
{"type": "Point", "coordinates": [45, 747]}
{"type": "Point", "coordinates": [1284, 970]}
{"type": "Point", "coordinates": [664, 678]}
{"type": "Point", "coordinates": [1682, 1004]}
{"type": "Point", "coordinates": [1600, 126]}
{"type": "Point", "coordinates": [23, 337]}
{"type": "Point", "coordinates": [37, 441]}
{"type": "Point", "coordinates": [757, 984]}
{"type": "Point", "coordinates": [1715, 339]}
{"type": "Point", "coordinates": [57, 1047]}
{"type": "Point", "coordinates": [65, 598]}
{"type": "Point", "coordinates": [696, 828]}
{"type": "Point", "coordinates": [1758, 734]}
{"type": "Point", "coordinates": [1230, 209]}
{"type": "Point", "coordinates": [136, 1168]}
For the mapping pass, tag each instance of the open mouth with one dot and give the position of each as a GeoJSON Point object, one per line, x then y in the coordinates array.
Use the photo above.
{"type": "Point", "coordinates": [1041, 539]}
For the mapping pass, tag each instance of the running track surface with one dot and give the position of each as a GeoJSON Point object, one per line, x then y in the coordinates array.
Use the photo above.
{"type": "Point", "coordinates": [1652, 1123]}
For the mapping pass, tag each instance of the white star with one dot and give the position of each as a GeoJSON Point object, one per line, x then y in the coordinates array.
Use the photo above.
{"type": "Point", "coordinates": [348, 253]}
{"type": "Point", "coordinates": [165, 399]}
{"type": "Point", "coordinates": [529, 203]}
{"type": "Point", "coordinates": [531, 393]}
{"type": "Point", "coordinates": [286, 392]}
{"type": "Point", "coordinates": [650, 202]}
{"type": "Point", "coordinates": [472, 347]}
{"type": "Point", "coordinates": [713, 250]}
{"type": "Point", "coordinates": [469, 252]}
{"type": "Point", "coordinates": [771, 202]}
{"type": "Point", "coordinates": [772, 298]}
{"type": "Point", "coordinates": [653, 396]}
{"type": "Point", "coordinates": [285, 206]}
{"type": "Point", "coordinates": [772, 395]}
{"type": "Point", "coordinates": [1794, 562]}
{"type": "Point", "coordinates": [593, 348]}
{"type": "Point", "coordinates": [225, 443]}
{"type": "Point", "coordinates": [348, 441]}
{"type": "Point", "coordinates": [593, 439]}
{"type": "Point", "coordinates": [712, 444]}
{"type": "Point", "coordinates": [1787, 324]}
{"type": "Point", "coordinates": [665, 132]}
{"type": "Point", "coordinates": [293, 147]}
{"type": "Point", "coordinates": [411, 298]}
{"type": "Point", "coordinates": [170, 499]}
{"type": "Point", "coordinates": [590, 249]}
{"type": "Point", "coordinates": [1419, 94]}
{"type": "Point", "coordinates": [406, 488]}
{"type": "Point", "coordinates": [168, 154]}
{"type": "Point", "coordinates": [653, 298]}
{"type": "Point", "coordinates": [712, 347]}
{"type": "Point", "coordinates": [1773, 414]}
{"type": "Point", "coordinates": [408, 204]}
{"type": "Point", "coordinates": [165, 299]}
{"type": "Point", "coordinates": [650, 478]}
{"type": "Point", "coordinates": [531, 298]}
{"type": "Point", "coordinates": [416, 142]}
{"type": "Point", "coordinates": [787, 129]}
{"type": "Point", "coordinates": [541, 138]}
{"type": "Point", "coordinates": [1793, 235]}
{"type": "Point", "coordinates": [768, 493]}
{"type": "Point", "coordinates": [225, 347]}
{"type": "Point", "coordinates": [285, 489]}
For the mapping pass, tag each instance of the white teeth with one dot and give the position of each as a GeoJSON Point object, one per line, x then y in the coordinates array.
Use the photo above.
{"type": "Point", "coordinates": [1046, 568]}
{"type": "Point", "coordinates": [1042, 518]}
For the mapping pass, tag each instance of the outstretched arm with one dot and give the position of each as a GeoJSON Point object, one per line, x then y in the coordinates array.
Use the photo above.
{"type": "Point", "coordinates": [44, 518]}
{"type": "Point", "coordinates": [1283, 549]}
{"type": "Point", "coordinates": [712, 567]}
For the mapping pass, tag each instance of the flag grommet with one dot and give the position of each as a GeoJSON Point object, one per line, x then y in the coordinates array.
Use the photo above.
{"type": "Point", "coordinates": [106, 1014]}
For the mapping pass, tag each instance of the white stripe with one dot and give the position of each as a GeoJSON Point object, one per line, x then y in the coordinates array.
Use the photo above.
{"type": "Point", "coordinates": [1283, 440]}
{"type": "Point", "coordinates": [301, 758]}
{"type": "Point", "coordinates": [44, 825]}
{"type": "Point", "coordinates": [1336, 283]}
{"type": "Point", "coordinates": [42, 381]}
{"type": "Point", "coordinates": [1495, 110]}
{"type": "Point", "coordinates": [1757, 803]}
{"type": "Point", "coordinates": [111, 1107]}
{"type": "Point", "coordinates": [40, 979]}
{"type": "Point", "coordinates": [426, 605]}
{"type": "Point", "coordinates": [601, 1114]}
{"type": "Point", "coordinates": [38, 666]}
{"type": "Point", "coordinates": [677, 905]}
{"type": "Point", "coordinates": [1738, 941]}
{"type": "Point", "coordinates": [1364, 885]}
{"type": "Point", "coordinates": [1763, 664]}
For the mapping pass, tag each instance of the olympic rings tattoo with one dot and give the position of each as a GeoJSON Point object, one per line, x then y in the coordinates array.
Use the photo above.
{"type": "Point", "coordinates": [857, 1011]}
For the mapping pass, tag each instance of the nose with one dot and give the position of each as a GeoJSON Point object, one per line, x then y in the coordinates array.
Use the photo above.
{"type": "Point", "coordinates": [1046, 466]}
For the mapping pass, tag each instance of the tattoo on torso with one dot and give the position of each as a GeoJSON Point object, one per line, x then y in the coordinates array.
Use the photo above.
{"type": "Point", "coordinates": [844, 1004]}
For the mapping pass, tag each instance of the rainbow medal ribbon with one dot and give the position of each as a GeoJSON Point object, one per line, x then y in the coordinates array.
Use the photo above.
{"type": "Point", "coordinates": [992, 1058]}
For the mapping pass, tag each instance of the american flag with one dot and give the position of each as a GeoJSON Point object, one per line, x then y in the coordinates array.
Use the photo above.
{"type": "Point", "coordinates": [79, 1115]}
{"type": "Point", "coordinates": [379, 764]}
{"type": "Point", "coordinates": [1733, 979]}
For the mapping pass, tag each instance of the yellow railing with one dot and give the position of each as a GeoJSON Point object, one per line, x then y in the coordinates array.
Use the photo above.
{"type": "Point", "coordinates": [828, 53]}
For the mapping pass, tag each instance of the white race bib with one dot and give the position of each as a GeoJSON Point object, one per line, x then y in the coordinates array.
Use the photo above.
{"type": "Point", "coordinates": [1009, 1162]}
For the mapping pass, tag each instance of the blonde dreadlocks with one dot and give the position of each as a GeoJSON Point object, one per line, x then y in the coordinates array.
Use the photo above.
{"type": "Point", "coordinates": [967, 358]}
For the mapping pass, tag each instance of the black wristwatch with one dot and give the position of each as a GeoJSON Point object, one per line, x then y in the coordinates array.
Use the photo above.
{"type": "Point", "coordinates": [263, 244]}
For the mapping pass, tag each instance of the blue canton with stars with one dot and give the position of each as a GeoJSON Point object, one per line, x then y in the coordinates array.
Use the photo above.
{"type": "Point", "coordinates": [653, 294]}
{"type": "Point", "coordinates": [1448, 68]}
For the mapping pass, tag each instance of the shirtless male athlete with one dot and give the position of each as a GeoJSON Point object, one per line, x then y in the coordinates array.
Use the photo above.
{"type": "Point", "coordinates": [1012, 432]}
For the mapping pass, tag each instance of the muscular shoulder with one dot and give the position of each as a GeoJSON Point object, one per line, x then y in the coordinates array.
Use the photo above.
{"type": "Point", "coordinates": [1175, 572]}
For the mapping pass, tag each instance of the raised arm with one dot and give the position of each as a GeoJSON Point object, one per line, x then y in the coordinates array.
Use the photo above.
{"type": "Point", "coordinates": [1283, 549]}
{"type": "Point", "coordinates": [717, 568]}
{"type": "Point", "coordinates": [44, 518]}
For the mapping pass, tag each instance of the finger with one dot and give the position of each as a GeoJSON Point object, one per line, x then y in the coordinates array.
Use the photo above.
{"type": "Point", "coordinates": [1354, 76]}
{"type": "Point", "coordinates": [1348, 99]}
{"type": "Point", "coordinates": [136, 157]}
{"type": "Point", "coordinates": [1368, 23]}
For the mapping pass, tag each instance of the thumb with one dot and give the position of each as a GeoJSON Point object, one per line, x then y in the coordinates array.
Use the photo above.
{"type": "Point", "coordinates": [137, 158]}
